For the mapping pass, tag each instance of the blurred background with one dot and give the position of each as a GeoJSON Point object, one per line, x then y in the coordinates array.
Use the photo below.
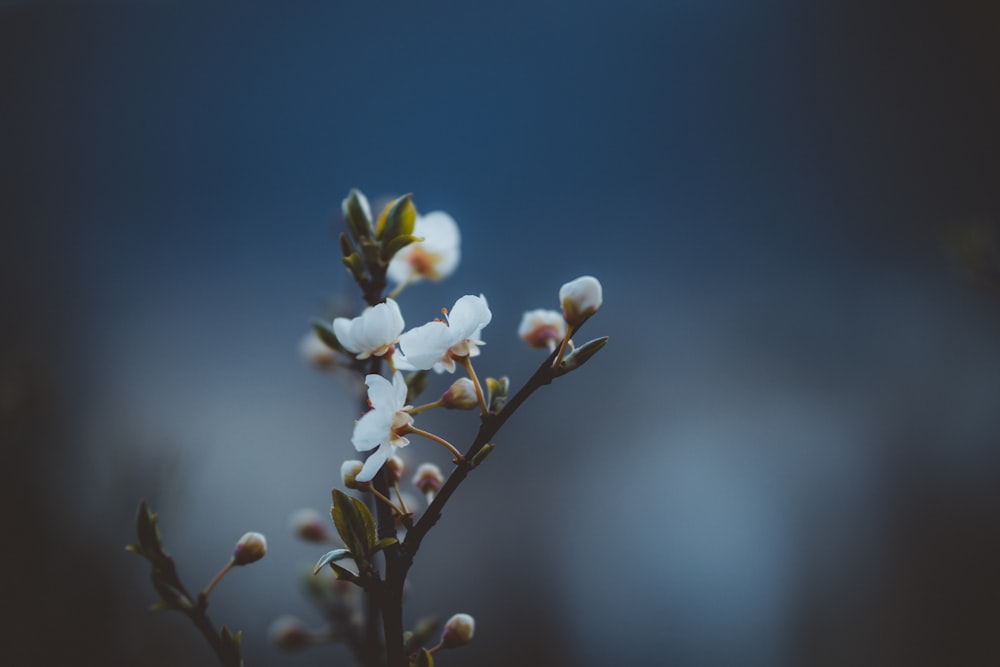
{"type": "Point", "coordinates": [787, 455]}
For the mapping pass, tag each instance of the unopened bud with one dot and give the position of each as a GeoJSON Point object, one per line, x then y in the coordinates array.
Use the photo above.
{"type": "Point", "coordinates": [428, 479]}
{"type": "Point", "coordinates": [316, 353]}
{"type": "Point", "coordinates": [250, 549]}
{"type": "Point", "coordinates": [580, 299]}
{"type": "Point", "coordinates": [542, 329]}
{"type": "Point", "coordinates": [290, 633]}
{"type": "Point", "coordinates": [349, 471]}
{"type": "Point", "coordinates": [458, 631]}
{"type": "Point", "coordinates": [396, 466]}
{"type": "Point", "coordinates": [461, 395]}
{"type": "Point", "coordinates": [308, 525]}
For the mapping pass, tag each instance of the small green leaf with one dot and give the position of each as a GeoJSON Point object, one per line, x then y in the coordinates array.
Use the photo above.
{"type": "Point", "coordinates": [346, 247]}
{"type": "Point", "coordinates": [580, 356]}
{"type": "Point", "coordinates": [344, 573]}
{"type": "Point", "coordinates": [149, 536]}
{"type": "Point", "coordinates": [331, 556]}
{"type": "Point", "coordinates": [481, 455]}
{"type": "Point", "coordinates": [325, 334]}
{"type": "Point", "coordinates": [415, 385]}
{"type": "Point", "coordinates": [496, 393]}
{"type": "Point", "coordinates": [355, 524]}
{"type": "Point", "coordinates": [356, 215]}
{"type": "Point", "coordinates": [354, 266]}
{"type": "Point", "coordinates": [390, 249]}
{"type": "Point", "coordinates": [424, 658]}
{"type": "Point", "coordinates": [383, 543]}
{"type": "Point", "coordinates": [400, 218]}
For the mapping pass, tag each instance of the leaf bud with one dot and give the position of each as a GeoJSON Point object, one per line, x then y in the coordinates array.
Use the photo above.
{"type": "Point", "coordinates": [458, 631]}
{"type": "Point", "coordinates": [249, 549]}
{"type": "Point", "coordinates": [461, 395]}
{"type": "Point", "coordinates": [580, 299]}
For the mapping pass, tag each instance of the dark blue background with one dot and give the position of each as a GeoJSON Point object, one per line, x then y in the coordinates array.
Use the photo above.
{"type": "Point", "coordinates": [788, 453]}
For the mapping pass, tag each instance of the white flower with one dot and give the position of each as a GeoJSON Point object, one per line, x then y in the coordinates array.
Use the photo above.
{"type": "Point", "coordinates": [384, 426]}
{"type": "Point", "coordinates": [437, 344]}
{"type": "Point", "coordinates": [373, 332]}
{"type": "Point", "coordinates": [580, 299]}
{"type": "Point", "coordinates": [542, 328]}
{"type": "Point", "coordinates": [436, 257]}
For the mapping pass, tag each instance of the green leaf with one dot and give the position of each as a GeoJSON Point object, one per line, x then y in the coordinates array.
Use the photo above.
{"type": "Point", "coordinates": [496, 393]}
{"type": "Point", "coordinates": [325, 334]}
{"type": "Point", "coordinates": [481, 455]}
{"type": "Point", "coordinates": [383, 543]}
{"type": "Point", "coordinates": [354, 266]}
{"type": "Point", "coordinates": [346, 247]}
{"type": "Point", "coordinates": [415, 385]}
{"type": "Point", "coordinates": [331, 556]}
{"type": "Point", "coordinates": [580, 356]}
{"type": "Point", "coordinates": [390, 249]}
{"type": "Point", "coordinates": [355, 524]}
{"type": "Point", "coordinates": [424, 658]}
{"type": "Point", "coordinates": [149, 536]}
{"type": "Point", "coordinates": [356, 217]}
{"type": "Point", "coordinates": [400, 218]}
{"type": "Point", "coordinates": [344, 573]}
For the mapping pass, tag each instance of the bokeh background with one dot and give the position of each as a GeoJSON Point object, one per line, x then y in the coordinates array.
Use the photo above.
{"type": "Point", "coordinates": [788, 454]}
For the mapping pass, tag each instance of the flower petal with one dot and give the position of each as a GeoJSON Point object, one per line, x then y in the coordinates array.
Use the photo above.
{"type": "Point", "coordinates": [342, 330]}
{"type": "Point", "coordinates": [469, 315]}
{"type": "Point", "coordinates": [400, 390]}
{"type": "Point", "coordinates": [372, 430]}
{"type": "Point", "coordinates": [380, 393]}
{"type": "Point", "coordinates": [374, 463]}
{"type": "Point", "coordinates": [426, 344]}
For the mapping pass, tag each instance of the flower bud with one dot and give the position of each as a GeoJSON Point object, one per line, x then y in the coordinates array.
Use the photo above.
{"type": "Point", "coordinates": [542, 329]}
{"type": "Point", "coordinates": [461, 395]}
{"type": "Point", "coordinates": [316, 353]}
{"type": "Point", "coordinates": [250, 549]}
{"type": "Point", "coordinates": [290, 633]}
{"type": "Point", "coordinates": [458, 631]}
{"type": "Point", "coordinates": [580, 299]}
{"type": "Point", "coordinates": [428, 479]}
{"type": "Point", "coordinates": [349, 471]}
{"type": "Point", "coordinates": [396, 465]}
{"type": "Point", "coordinates": [308, 525]}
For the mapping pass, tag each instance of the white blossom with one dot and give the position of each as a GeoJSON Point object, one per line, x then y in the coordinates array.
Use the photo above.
{"type": "Point", "coordinates": [435, 257]}
{"type": "Point", "coordinates": [383, 427]}
{"type": "Point", "coordinates": [542, 328]}
{"type": "Point", "coordinates": [373, 332]}
{"type": "Point", "coordinates": [316, 353]}
{"type": "Point", "coordinates": [437, 344]}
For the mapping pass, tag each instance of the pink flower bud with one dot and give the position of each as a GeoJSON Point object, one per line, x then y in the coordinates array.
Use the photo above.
{"type": "Point", "coordinates": [250, 549]}
{"type": "Point", "coordinates": [458, 631]}
{"type": "Point", "coordinates": [290, 633]}
{"type": "Point", "coordinates": [542, 329]}
{"type": "Point", "coordinates": [461, 395]}
{"type": "Point", "coordinates": [580, 299]}
{"type": "Point", "coordinates": [428, 478]}
{"type": "Point", "coordinates": [308, 525]}
{"type": "Point", "coordinates": [349, 472]}
{"type": "Point", "coordinates": [396, 465]}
